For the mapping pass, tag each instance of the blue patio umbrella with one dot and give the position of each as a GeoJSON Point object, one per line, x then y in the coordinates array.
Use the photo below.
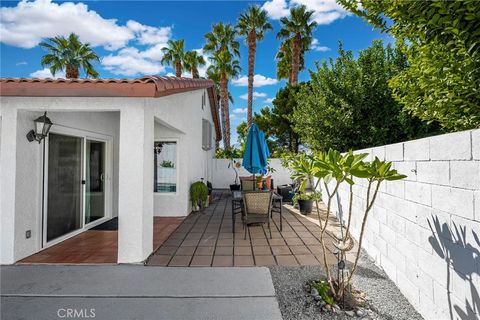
{"type": "Point", "coordinates": [256, 152]}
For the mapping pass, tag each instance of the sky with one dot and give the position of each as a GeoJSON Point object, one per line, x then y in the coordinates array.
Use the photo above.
{"type": "Point", "coordinates": [129, 35]}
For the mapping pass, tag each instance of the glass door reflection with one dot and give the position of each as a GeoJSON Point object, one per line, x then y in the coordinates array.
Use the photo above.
{"type": "Point", "coordinates": [95, 180]}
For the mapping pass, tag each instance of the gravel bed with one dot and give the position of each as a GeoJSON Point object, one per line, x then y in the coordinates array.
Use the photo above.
{"type": "Point", "coordinates": [385, 300]}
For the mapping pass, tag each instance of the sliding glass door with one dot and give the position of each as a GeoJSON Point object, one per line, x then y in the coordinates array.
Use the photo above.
{"type": "Point", "coordinates": [76, 184]}
{"type": "Point", "coordinates": [64, 205]}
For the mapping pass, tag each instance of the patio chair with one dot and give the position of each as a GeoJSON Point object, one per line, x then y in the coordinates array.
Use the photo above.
{"type": "Point", "coordinates": [257, 209]}
{"type": "Point", "coordinates": [247, 185]}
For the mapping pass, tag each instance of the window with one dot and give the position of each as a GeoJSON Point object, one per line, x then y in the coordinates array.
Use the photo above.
{"type": "Point", "coordinates": [206, 135]}
{"type": "Point", "coordinates": [165, 170]}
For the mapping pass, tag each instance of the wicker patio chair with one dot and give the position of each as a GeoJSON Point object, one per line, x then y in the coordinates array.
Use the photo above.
{"type": "Point", "coordinates": [247, 185]}
{"type": "Point", "coordinates": [257, 209]}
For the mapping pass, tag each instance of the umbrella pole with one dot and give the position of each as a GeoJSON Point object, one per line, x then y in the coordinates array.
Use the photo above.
{"type": "Point", "coordinates": [254, 182]}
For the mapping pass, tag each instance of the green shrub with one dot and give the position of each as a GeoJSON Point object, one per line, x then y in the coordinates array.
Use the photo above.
{"type": "Point", "coordinates": [199, 193]}
{"type": "Point", "coordinates": [314, 196]}
{"type": "Point", "coordinates": [323, 289]}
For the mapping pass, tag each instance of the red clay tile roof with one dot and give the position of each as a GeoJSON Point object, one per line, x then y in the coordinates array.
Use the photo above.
{"type": "Point", "coordinates": [149, 86]}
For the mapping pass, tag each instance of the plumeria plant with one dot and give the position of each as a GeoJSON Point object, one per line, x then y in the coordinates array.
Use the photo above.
{"type": "Point", "coordinates": [332, 169]}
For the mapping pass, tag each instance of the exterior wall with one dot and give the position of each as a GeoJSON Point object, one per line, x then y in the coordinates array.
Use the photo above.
{"type": "Point", "coordinates": [223, 176]}
{"type": "Point", "coordinates": [131, 122]}
{"type": "Point", "coordinates": [424, 231]}
{"type": "Point", "coordinates": [179, 117]}
{"type": "Point", "coordinates": [28, 172]}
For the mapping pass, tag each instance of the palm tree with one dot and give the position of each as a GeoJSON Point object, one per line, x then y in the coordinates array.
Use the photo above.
{"type": "Point", "coordinates": [252, 25]}
{"type": "Point", "coordinates": [174, 54]}
{"type": "Point", "coordinates": [222, 38]}
{"type": "Point", "coordinates": [226, 67]}
{"type": "Point", "coordinates": [221, 43]}
{"type": "Point", "coordinates": [191, 61]}
{"type": "Point", "coordinates": [284, 59]}
{"type": "Point", "coordinates": [70, 55]}
{"type": "Point", "coordinates": [297, 28]}
{"type": "Point", "coordinates": [213, 75]}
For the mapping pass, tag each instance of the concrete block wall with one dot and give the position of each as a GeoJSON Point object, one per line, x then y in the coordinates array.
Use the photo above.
{"type": "Point", "coordinates": [424, 231]}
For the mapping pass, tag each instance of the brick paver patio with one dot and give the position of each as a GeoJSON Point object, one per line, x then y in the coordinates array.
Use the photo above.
{"type": "Point", "coordinates": [206, 239]}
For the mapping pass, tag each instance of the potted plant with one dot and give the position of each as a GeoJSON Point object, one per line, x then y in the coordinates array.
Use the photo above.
{"type": "Point", "coordinates": [235, 165]}
{"type": "Point", "coordinates": [198, 195]}
{"type": "Point", "coordinates": [305, 201]}
{"type": "Point", "coordinates": [259, 182]}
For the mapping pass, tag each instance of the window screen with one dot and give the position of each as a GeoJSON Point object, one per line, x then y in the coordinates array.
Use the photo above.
{"type": "Point", "coordinates": [207, 131]}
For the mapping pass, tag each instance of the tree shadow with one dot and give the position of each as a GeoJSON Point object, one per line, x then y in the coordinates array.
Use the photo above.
{"type": "Point", "coordinates": [461, 257]}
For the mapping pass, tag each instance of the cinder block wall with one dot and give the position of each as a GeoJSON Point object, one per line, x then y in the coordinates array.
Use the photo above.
{"type": "Point", "coordinates": [424, 231]}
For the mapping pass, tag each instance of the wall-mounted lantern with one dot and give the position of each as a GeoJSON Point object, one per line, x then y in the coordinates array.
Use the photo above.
{"type": "Point", "coordinates": [42, 127]}
{"type": "Point", "coordinates": [158, 147]}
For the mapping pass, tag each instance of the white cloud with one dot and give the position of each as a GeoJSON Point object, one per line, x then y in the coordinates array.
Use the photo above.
{"type": "Point", "coordinates": [21, 63]}
{"type": "Point", "coordinates": [315, 45]}
{"type": "Point", "coordinates": [26, 24]}
{"type": "Point", "coordinates": [325, 11]}
{"type": "Point", "coordinates": [45, 73]}
{"type": "Point", "coordinates": [255, 95]}
{"type": "Point", "coordinates": [130, 62]}
{"type": "Point", "coordinates": [233, 116]}
{"type": "Point", "coordinates": [149, 35]}
{"type": "Point", "coordinates": [258, 81]}
{"type": "Point", "coordinates": [240, 110]}
{"type": "Point", "coordinates": [269, 100]}
{"type": "Point", "coordinates": [30, 22]}
{"type": "Point", "coordinates": [276, 9]}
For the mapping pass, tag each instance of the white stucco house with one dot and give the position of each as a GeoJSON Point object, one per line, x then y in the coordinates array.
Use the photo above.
{"type": "Point", "coordinates": [126, 148]}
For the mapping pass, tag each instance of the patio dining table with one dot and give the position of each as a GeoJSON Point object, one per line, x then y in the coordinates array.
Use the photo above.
{"type": "Point", "coordinates": [237, 206]}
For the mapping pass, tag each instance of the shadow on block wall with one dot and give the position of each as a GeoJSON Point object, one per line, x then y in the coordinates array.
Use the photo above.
{"type": "Point", "coordinates": [460, 257]}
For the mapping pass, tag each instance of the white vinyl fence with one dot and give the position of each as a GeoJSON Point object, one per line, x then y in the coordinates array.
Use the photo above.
{"type": "Point", "coordinates": [223, 176]}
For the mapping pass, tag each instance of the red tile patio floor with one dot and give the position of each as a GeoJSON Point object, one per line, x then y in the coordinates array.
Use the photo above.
{"type": "Point", "coordinates": [206, 239]}
{"type": "Point", "coordinates": [97, 246]}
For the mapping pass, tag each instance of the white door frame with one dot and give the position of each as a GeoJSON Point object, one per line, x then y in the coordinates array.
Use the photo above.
{"type": "Point", "coordinates": [84, 135]}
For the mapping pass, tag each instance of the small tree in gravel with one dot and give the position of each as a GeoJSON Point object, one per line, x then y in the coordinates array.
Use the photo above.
{"type": "Point", "coordinates": [375, 172]}
{"type": "Point", "coordinates": [332, 169]}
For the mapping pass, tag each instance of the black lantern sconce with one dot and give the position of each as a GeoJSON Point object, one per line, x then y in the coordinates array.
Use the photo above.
{"type": "Point", "coordinates": [42, 127]}
{"type": "Point", "coordinates": [158, 147]}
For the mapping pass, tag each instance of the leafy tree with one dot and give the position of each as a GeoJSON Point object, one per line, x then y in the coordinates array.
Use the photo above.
{"type": "Point", "coordinates": [191, 61]}
{"type": "Point", "coordinates": [276, 122]}
{"type": "Point", "coordinates": [71, 55]}
{"type": "Point", "coordinates": [297, 31]}
{"type": "Point", "coordinates": [174, 54]}
{"type": "Point", "coordinates": [252, 25]}
{"type": "Point", "coordinates": [349, 105]}
{"type": "Point", "coordinates": [442, 42]}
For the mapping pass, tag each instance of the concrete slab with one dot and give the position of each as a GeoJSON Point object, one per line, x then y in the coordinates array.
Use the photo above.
{"type": "Point", "coordinates": [43, 308]}
{"type": "Point", "coordinates": [136, 292]}
{"type": "Point", "coordinates": [130, 280]}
